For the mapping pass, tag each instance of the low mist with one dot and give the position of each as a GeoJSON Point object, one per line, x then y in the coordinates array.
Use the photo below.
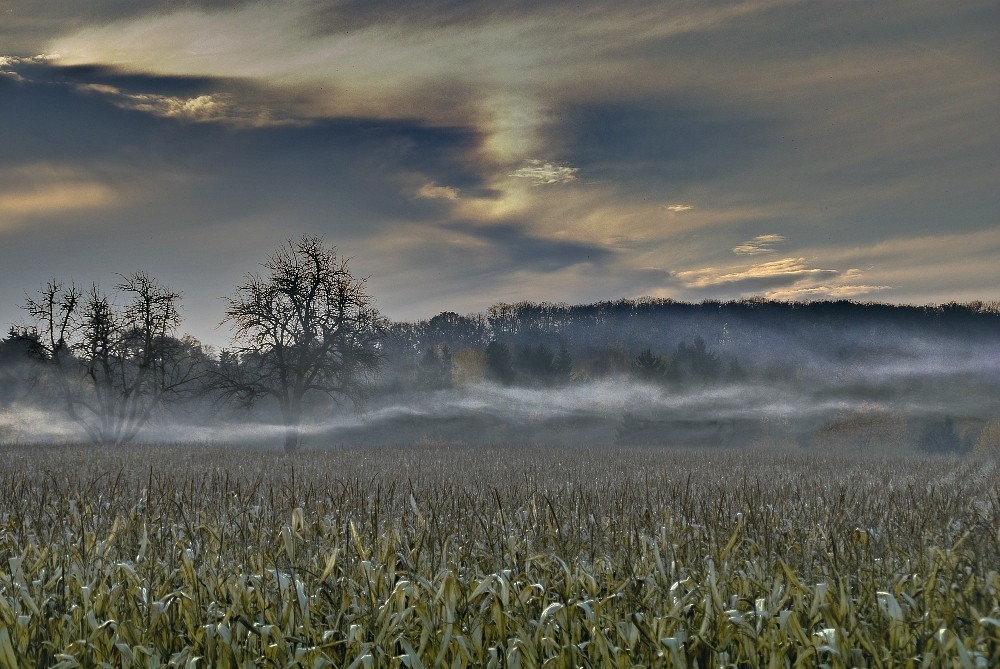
{"type": "Point", "coordinates": [650, 374]}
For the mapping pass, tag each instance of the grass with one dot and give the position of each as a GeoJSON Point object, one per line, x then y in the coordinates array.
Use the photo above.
{"type": "Point", "coordinates": [443, 556]}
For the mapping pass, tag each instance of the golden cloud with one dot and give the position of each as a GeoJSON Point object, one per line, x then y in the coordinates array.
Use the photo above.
{"type": "Point", "coordinates": [432, 191]}
{"type": "Point", "coordinates": [758, 245]}
{"type": "Point", "coordinates": [784, 268]}
{"type": "Point", "coordinates": [55, 198]}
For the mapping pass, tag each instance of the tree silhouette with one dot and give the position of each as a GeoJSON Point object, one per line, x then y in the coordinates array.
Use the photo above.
{"type": "Point", "coordinates": [111, 367]}
{"type": "Point", "coordinates": [307, 327]}
{"type": "Point", "coordinates": [694, 362]}
{"type": "Point", "coordinates": [562, 365]}
{"type": "Point", "coordinates": [435, 368]}
{"type": "Point", "coordinates": [650, 367]}
{"type": "Point", "coordinates": [499, 363]}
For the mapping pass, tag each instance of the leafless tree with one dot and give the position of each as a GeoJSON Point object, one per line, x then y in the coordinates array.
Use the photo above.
{"type": "Point", "coordinates": [111, 367]}
{"type": "Point", "coordinates": [307, 327]}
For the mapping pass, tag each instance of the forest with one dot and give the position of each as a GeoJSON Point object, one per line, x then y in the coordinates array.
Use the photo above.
{"type": "Point", "coordinates": [830, 375]}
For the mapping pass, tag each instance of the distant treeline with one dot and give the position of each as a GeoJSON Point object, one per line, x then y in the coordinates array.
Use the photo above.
{"type": "Point", "coordinates": [530, 343]}
{"type": "Point", "coordinates": [860, 373]}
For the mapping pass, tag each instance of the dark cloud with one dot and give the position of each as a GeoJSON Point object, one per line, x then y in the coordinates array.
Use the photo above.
{"type": "Point", "coordinates": [511, 246]}
{"type": "Point", "coordinates": [353, 165]}
{"type": "Point", "coordinates": [653, 144]}
{"type": "Point", "coordinates": [47, 121]}
{"type": "Point", "coordinates": [475, 265]}
{"type": "Point", "coordinates": [324, 165]}
{"type": "Point", "coordinates": [128, 81]}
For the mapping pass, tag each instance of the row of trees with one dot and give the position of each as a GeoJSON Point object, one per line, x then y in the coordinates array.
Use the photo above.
{"type": "Point", "coordinates": [305, 326]}
{"type": "Point", "coordinates": [306, 336]}
{"type": "Point", "coordinates": [691, 363]}
{"type": "Point", "coordinates": [760, 330]}
{"type": "Point", "coordinates": [529, 366]}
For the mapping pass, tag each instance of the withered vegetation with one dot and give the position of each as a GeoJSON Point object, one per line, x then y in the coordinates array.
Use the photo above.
{"type": "Point", "coordinates": [439, 556]}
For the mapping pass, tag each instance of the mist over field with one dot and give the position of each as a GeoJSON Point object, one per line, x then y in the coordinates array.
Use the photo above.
{"type": "Point", "coordinates": [887, 407]}
{"type": "Point", "coordinates": [874, 379]}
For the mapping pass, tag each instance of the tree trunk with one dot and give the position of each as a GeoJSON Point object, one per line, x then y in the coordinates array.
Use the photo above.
{"type": "Point", "coordinates": [291, 438]}
{"type": "Point", "coordinates": [292, 414]}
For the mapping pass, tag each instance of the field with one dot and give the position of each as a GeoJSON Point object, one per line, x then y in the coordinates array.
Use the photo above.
{"type": "Point", "coordinates": [440, 556]}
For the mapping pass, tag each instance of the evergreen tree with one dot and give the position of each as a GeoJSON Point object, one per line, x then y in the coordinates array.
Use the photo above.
{"type": "Point", "coordinates": [499, 365]}
{"type": "Point", "coordinates": [562, 365]}
{"type": "Point", "coordinates": [649, 367]}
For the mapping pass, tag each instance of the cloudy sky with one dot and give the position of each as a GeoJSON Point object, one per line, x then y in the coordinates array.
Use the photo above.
{"type": "Point", "coordinates": [465, 153]}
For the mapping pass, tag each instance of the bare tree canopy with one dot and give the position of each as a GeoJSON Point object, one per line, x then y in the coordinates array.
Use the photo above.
{"type": "Point", "coordinates": [112, 367]}
{"type": "Point", "coordinates": [306, 326]}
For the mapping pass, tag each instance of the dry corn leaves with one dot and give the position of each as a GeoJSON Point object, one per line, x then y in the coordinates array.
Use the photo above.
{"type": "Point", "coordinates": [516, 558]}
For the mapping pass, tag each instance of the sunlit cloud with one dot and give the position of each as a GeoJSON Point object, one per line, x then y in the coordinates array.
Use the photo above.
{"type": "Point", "coordinates": [842, 287]}
{"type": "Point", "coordinates": [54, 198]}
{"type": "Point", "coordinates": [199, 108]}
{"type": "Point", "coordinates": [544, 173]}
{"type": "Point", "coordinates": [784, 269]}
{"type": "Point", "coordinates": [785, 279]}
{"type": "Point", "coordinates": [511, 122]}
{"type": "Point", "coordinates": [386, 70]}
{"type": "Point", "coordinates": [678, 208]}
{"type": "Point", "coordinates": [499, 72]}
{"type": "Point", "coordinates": [432, 191]}
{"type": "Point", "coordinates": [505, 51]}
{"type": "Point", "coordinates": [9, 61]}
{"type": "Point", "coordinates": [759, 245]}
{"type": "Point", "coordinates": [8, 64]}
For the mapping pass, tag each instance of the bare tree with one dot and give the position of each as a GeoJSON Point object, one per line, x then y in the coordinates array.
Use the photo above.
{"type": "Point", "coordinates": [307, 327]}
{"type": "Point", "coordinates": [111, 367]}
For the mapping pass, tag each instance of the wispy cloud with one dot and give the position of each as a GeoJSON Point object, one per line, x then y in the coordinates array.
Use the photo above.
{"type": "Point", "coordinates": [785, 279]}
{"type": "Point", "coordinates": [544, 173]}
{"type": "Point", "coordinates": [215, 106]}
{"type": "Point", "coordinates": [432, 191]}
{"type": "Point", "coordinates": [55, 198]}
{"type": "Point", "coordinates": [36, 192]}
{"type": "Point", "coordinates": [845, 285]}
{"type": "Point", "coordinates": [924, 269]}
{"type": "Point", "coordinates": [784, 270]}
{"type": "Point", "coordinates": [197, 108]}
{"type": "Point", "coordinates": [759, 245]}
{"type": "Point", "coordinates": [499, 69]}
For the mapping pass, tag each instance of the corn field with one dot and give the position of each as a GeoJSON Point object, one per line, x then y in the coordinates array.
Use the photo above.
{"type": "Point", "coordinates": [441, 556]}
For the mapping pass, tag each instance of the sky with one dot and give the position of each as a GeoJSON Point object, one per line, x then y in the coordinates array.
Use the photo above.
{"type": "Point", "coordinates": [468, 153]}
